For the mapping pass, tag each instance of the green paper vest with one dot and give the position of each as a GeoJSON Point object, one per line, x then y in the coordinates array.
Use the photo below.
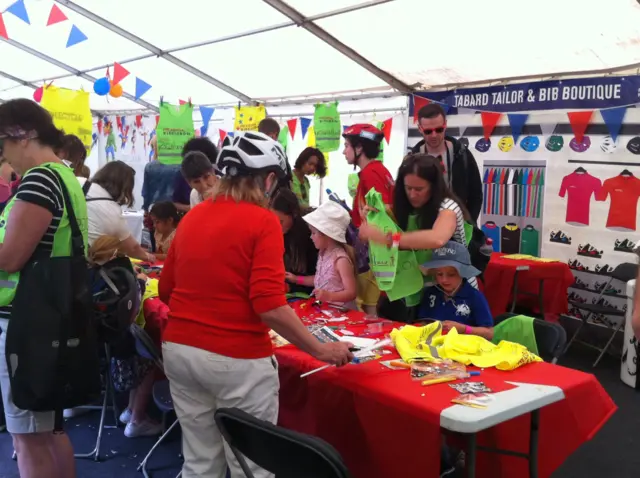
{"type": "Point", "coordinates": [327, 128]}
{"type": "Point", "coordinates": [174, 129]}
{"type": "Point", "coordinates": [62, 237]}
{"type": "Point", "coordinates": [396, 272]}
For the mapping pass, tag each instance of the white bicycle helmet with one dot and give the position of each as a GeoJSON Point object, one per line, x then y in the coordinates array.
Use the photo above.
{"type": "Point", "coordinates": [252, 152]}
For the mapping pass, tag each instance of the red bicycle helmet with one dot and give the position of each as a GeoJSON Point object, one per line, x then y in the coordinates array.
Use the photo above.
{"type": "Point", "coordinates": [364, 131]}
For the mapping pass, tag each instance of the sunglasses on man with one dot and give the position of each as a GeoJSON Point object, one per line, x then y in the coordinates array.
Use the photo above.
{"type": "Point", "coordinates": [428, 132]}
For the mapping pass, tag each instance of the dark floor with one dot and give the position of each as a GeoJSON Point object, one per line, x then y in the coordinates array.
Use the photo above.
{"type": "Point", "coordinates": [609, 454]}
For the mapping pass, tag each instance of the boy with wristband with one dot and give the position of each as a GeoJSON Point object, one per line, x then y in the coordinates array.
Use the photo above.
{"type": "Point", "coordinates": [452, 300]}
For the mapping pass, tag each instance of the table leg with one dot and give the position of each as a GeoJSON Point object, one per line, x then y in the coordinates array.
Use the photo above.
{"type": "Point", "coordinates": [470, 458]}
{"type": "Point", "coordinates": [533, 444]}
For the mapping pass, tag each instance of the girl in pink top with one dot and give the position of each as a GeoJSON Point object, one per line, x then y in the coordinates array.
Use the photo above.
{"type": "Point", "coordinates": [335, 278]}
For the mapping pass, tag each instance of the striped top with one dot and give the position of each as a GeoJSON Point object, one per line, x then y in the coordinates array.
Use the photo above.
{"type": "Point", "coordinates": [40, 186]}
{"type": "Point", "coordinates": [459, 235]}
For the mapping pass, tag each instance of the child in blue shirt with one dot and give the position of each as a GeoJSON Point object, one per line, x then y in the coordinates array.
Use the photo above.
{"type": "Point", "coordinates": [453, 301]}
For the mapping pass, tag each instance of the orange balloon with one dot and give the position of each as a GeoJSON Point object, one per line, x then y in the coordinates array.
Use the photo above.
{"type": "Point", "coordinates": [116, 90]}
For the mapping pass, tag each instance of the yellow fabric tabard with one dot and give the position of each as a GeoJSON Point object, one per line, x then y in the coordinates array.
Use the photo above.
{"type": "Point", "coordinates": [428, 344]}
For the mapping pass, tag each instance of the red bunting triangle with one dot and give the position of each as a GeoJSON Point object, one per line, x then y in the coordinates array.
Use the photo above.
{"type": "Point", "coordinates": [386, 128]}
{"type": "Point", "coordinates": [418, 103]}
{"type": "Point", "coordinates": [157, 119]}
{"type": "Point", "coordinates": [182, 102]}
{"type": "Point", "coordinates": [223, 135]}
{"type": "Point", "coordinates": [100, 126]}
{"type": "Point", "coordinates": [489, 122]}
{"type": "Point", "coordinates": [139, 121]}
{"type": "Point", "coordinates": [292, 124]}
{"type": "Point", "coordinates": [56, 16]}
{"type": "Point", "coordinates": [119, 73]}
{"type": "Point", "coordinates": [579, 121]}
{"type": "Point", "coordinates": [3, 29]}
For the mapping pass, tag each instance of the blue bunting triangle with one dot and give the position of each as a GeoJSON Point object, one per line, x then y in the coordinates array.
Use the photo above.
{"type": "Point", "coordinates": [19, 10]}
{"type": "Point", "coordinates": [206, 113]}
{"type": "Point", "coordinates": [613, 119]}
{"type": "Point", "coordinates": [304, 125]}
{"type": "Point", "coordinates": [75, 36]}
{"type": "Point", "coordinates": [141, 88]}
{"type": "Point", "coordinates": [517, 122]}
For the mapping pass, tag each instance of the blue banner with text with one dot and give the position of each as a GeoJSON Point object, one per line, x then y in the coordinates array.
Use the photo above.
{"type": "Point", "coordinates": [584, 93]}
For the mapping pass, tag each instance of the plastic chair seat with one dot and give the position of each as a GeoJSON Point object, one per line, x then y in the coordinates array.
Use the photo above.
{"type": "Point", "coordinates": [162, 396]}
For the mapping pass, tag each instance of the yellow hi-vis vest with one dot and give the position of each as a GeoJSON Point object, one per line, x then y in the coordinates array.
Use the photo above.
{"type": "Point", "coordinates": [62, 237]}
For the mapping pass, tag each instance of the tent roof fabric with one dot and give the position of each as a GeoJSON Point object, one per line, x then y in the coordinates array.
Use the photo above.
{"type": "Point", "coordinates": [275, 51]}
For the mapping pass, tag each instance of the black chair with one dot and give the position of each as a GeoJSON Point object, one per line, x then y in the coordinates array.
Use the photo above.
{"type": "Point", "coordinates": [285, 453]}
{"type": "Point", "coordinates": [623, 273]}
{"type": "Point", "coordinates": [551, 339]}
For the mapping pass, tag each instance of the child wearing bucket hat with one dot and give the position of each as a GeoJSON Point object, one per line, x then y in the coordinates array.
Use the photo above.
{"type": "Point", "coordinates": [453, 301]}
{"type": "Point", "coordinates": [335, 277]}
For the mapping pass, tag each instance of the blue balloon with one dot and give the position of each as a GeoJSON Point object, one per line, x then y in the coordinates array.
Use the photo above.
{"type": "Point", "coordinates": [102, 86]}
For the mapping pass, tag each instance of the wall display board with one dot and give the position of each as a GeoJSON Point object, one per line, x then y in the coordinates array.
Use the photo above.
{"type": "Point", "coordinates": [561, 173]}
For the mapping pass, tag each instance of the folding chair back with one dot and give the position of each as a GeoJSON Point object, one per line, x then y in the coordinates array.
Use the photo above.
{"type": "Point", "coordinates": [285, 453]}
{"type": "Point", "coordinates": [551, 339]}
{"type": "Point", "coordinates": [145, 346]}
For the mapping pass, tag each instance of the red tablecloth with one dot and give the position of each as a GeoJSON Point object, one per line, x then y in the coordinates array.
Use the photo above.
{"type": "Point", "coordinates": [386, 425]}
{"type": "Point", "coordinates": [498, 283]}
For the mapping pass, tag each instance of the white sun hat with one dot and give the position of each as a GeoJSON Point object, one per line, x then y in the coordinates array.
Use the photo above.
{"type": "Point", "coordinates": [330, 219]}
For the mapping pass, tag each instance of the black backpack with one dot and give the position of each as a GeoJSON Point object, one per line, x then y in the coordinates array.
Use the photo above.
{"type": "Point", "coordinates": [479, 250]}
{"type": "Point", "coordinates": [51, 344]}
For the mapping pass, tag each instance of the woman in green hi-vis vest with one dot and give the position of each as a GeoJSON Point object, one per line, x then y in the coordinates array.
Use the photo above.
{"type": "Point", "coordinates": [34, 221]}
{"type": "Point", "coordinates": [429, 213]}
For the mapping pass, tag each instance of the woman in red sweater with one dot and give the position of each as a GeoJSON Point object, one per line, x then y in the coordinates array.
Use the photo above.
{"type": "Point", "coordinates": [223, 281]}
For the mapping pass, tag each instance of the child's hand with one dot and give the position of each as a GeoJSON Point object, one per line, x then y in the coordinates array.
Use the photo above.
{"type": "Point", "coordinates": [323, 295]}
{"type": "Point", "coordinates": [450, 324]}
{"type": "Point", "coordinates": [289, 277]}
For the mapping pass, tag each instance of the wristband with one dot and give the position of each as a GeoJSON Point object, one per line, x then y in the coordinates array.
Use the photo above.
{"type": "Point", "coordinates": [299, 280]}
{"type": "Point", "coordinates": [467, 330]}
{"type": "Point", "coordinates": [395, 240]}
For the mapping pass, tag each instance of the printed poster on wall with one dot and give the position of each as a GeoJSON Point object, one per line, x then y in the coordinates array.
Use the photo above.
{"type": "Point", "coordinates": [70, 111]}
{"type": "Point", "coordinates": [248, 117]}
{"type": "Point", "coordinates": [175, 128]}
{"type": "Point", "coordinates": [326, 123]}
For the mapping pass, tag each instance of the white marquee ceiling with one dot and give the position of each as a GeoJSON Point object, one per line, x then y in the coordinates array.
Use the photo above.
{"type": "Point", "coordinates": [220, 52]}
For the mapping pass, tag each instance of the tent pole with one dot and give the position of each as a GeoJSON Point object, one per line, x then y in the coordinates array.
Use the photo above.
{"type": "Point", "coordinates": [70, 69]}
{"type": "Point", "coordinates": [153, 49]}
{"type": "Point", "coordinates": [326, 37]}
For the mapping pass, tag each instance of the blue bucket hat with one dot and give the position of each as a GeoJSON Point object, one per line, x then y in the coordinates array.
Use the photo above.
{"type": "Point", "coordinates": [455, 255]}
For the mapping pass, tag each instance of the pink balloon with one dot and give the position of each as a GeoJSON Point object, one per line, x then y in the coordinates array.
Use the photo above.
{"type": "Point", "coordinates": [37, 95]}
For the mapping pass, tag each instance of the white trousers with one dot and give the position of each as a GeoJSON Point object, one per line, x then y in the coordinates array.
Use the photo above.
{"type": "Point", "coordinates": [201, 382]}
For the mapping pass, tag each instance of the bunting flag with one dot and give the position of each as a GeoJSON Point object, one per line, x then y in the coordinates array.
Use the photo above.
{"type": "Point", "coordinates": [19, 10]}
{"type": "Point", "coordinates": [304, 126]}
{"type": "Point", "coordinates": [418, 103]}
{"type": "Point", "coordinates": [292, 124]}
{"type": "Point", "coordinates": [579, 121]}
{"type": "Point", "coordinates": [119, 123]}
{"type": "Point", "coordinates": [231, 134]}
{"type": "Point", "coordinates": [516, 122]}
{"type": "Point", "coordinates": [386, 129]}
{"type": "Point", "coordinates": [206, 112]}
{"type": "Point", "coordinates": [489, 122]}
{"type": "Point", "coordinates": [344, 127]}
{"type": "Point", "coordinates": [119, 73]}
{"type": "Point", "coordinates": [157, 119]}
{"type": "Point", "coordinates": [141, 88]}
{"type": "Point", "coordinates": [613, 118]}
{"type": "Point", "coordinates": [223, 135]}
{"type": "Point", "coordinates": [100, 125]}
{"type": "Point", "coordinates": [547, 124]}
{"type": "Point", "coordinates": [311, 138]}
{"type": "Point", "coordinates": [203, 131]}
{"type": "Point", "coordinates": [3, 28]}
{"type": "Point", "coordinates": [75, 36]}
{"type": "Point", "coordinates": [182, 102]}
{"type": "Point", "coordinates": [139, 121]}
{"type": "Point", "coordinates": [56, 16]}
{"type": "Point", "coordinates": [445, 107]}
